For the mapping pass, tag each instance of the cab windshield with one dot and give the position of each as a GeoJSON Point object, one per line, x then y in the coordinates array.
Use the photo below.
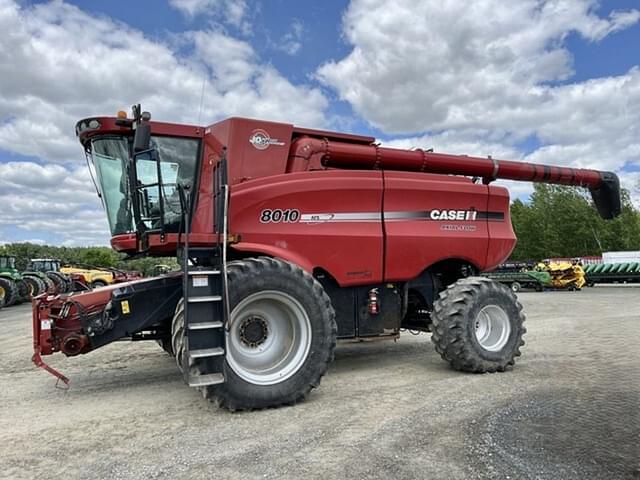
{"type": "Point", "coordinates": [8, 262]}
{"type": "Point", "coordinates": [110, 154]}
{"type": "Point", "coordinates": [43, 266]}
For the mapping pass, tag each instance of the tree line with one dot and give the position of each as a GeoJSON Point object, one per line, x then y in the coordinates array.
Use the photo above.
{"type": "Point", "coordinates": [561, 221]}
{"type": "Point", "coordinates": [558, 221]}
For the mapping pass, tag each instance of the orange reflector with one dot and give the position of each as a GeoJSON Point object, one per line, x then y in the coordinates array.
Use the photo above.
{"type": "Point", "coordinates": [122, 114]}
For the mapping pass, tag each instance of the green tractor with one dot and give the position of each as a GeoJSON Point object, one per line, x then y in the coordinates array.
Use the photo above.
{"type": "Point", "coordinates": [48, 271]}
{"type": "Point", "coordinates": [14, 288]}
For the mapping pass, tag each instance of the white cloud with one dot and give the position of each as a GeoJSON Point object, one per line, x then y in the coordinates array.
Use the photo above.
{"type": "Point", "coordinates": [291, 42]}
{"type": "Point", "coordinates": [431, 65]}
{"type": "Point", "coordinates": [57, 200]}
{"type": "Point", "coordinates": [259, 90]}
{"type": "Point", "coordinates": [233, 12]}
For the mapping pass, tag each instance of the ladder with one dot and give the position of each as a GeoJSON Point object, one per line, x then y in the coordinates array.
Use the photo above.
{"type": "Point", "coordinates": [204, 320]}
{"type": "Point", "coordinates": [205, 295]}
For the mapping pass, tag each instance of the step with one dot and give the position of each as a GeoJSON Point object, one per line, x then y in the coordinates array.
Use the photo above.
{"type": "Point", "coordinates": [204, 272]}
{"type": "Point", "coordinates": [209, 298]}
{"type": "Point", "coordinates": [206, 352]}
{"type": "Point", "coordinates": [205, 380]}
{"type": "Point", "coordinates": [204, 325]}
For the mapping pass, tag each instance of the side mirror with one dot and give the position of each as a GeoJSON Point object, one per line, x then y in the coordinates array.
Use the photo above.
{"type": "Point", "coordinates": [142, 137]}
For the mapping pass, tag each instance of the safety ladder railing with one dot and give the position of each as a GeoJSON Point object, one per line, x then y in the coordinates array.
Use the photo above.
{"type": "Point", "coordinates": [205, 296]}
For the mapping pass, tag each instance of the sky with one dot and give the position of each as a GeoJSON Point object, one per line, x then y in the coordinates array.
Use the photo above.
{"type": "Point", "coordinates": [549, 81]}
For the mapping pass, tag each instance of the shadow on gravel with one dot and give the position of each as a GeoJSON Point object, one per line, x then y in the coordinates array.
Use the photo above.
{"type": "Point", "coordinates": [568, 434]}
{"type": "Point", "coordinates": [355, 355]}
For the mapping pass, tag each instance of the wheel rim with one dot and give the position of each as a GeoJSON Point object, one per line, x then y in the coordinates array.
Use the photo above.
{"type": "Point", "coordinates": [269, 337]}
{"type": "Point", "coordinates": [492, 328]}
{"type": "Point", "coordinates": [30, 289]}
{"type": "Point", "coordinates": [2, 294]}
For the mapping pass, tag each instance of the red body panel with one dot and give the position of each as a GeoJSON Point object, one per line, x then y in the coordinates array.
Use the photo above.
{"type": "Point", "coordinates": [246, 161]}
{"type": "Point", "coordinates": [416, 243]}
{"type": "Point", "coordinates": [379, 211]}
{"type": "Point", "coordinates": [501, 234]}
{"type": "Point", "coordinates": [347, 245]}
{"type": "Point", "coordinates": [355, 231]}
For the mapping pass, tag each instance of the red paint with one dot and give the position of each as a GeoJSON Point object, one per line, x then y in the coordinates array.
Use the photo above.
{"type": "Point", "coordinates": [339, 248]}
{"type": "Point", "coordinates": [56, 320]}
{"type": "Point", "coordinates": [278, 166]}
{"type": "Point", "coordinates": [413, 245]}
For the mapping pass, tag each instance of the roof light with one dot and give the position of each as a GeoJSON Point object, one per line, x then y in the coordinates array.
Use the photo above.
{"type": "Point", "coordinates": [121, 114]}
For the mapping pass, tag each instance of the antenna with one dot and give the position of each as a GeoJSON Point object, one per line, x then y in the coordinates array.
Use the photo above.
{"type": "Point", "coordinates": [204, 82]}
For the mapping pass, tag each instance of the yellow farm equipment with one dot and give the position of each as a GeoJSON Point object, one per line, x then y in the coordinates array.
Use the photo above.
{"type": "Point", "coordinates": [93, 277]}
{"type": "Point", "coordinates": [564, 275]}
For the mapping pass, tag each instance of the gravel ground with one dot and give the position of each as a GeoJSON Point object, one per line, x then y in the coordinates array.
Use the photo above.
{"type": "Point", "coordinates": [570, 409]}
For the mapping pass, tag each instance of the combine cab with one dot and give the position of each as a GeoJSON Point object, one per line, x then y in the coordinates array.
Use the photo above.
{"type": "Point", "coordinates": [291, 239]}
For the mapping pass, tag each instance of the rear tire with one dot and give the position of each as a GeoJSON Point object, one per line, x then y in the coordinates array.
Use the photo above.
{"type": "Point", "coordinates": [98, 284]}
{"type": "Point", "coordinates": [10, 291]}
{"type": "Point", "coordinates": [478, 325]}
{"type": "Point", "coordinates": [35, 286]}
{"type": "Point", "coordinates": [60, 281]}
{"type": "Point", "coordinates": [515, 287]}
{"type": "Point", "coordinates": [48, 283]}
{"type": "Point", "coordinates": [290, 315]}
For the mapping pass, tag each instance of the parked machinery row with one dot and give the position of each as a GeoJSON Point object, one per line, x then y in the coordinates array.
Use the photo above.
{"type": "Point", "coordinates": [50, 276]}
{"type": "Point", "coordinates": [17, 287]}
{"type": "Point", "coordinates": [564, 275]}
{"type": "Point", "coordinates": [544, 275]}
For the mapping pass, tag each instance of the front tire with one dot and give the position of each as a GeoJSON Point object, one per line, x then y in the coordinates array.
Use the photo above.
{"type": "Point", "coordinates": [478, 326]}
{"type": "Point", "coordinates": [23, 292]}
{"type": "Point", "coordinates": [280, 335]}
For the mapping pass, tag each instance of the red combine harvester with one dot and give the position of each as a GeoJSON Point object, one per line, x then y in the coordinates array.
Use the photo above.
{"type": "Point", "coordinates": [290, 239]}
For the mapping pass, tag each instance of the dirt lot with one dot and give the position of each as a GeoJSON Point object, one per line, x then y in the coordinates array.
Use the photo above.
{"type": "Point", "coordinates": [570, 409]}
